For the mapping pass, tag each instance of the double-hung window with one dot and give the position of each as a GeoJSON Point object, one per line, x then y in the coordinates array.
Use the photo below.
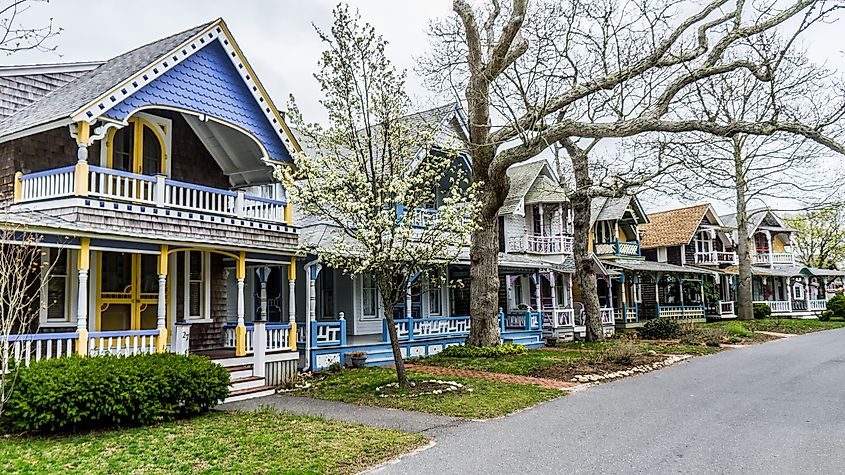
{"type": "Point", "coordinates": [369, 297]}
{"type": "Point", "coordinates": [55, 286]}
{"type": "Point", "coordinates": [197, 285]}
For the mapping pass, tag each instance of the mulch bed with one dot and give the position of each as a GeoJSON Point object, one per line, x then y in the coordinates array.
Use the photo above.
{"type": "Point", "coordinates": [567, 371]}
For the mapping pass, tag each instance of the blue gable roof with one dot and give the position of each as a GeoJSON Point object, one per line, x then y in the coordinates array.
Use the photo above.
{"type": "Point", "coordinates": [208, 82]}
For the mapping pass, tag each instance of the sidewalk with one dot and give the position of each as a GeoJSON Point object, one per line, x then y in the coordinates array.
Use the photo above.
{"type": "Point", "coordinates": [405, 421]}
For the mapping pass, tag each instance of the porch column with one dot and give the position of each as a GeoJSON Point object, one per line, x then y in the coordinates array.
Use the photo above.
{"type": "Point", "coordinates": [537, 291]}
{"type": "Point", "coordinates": [788, 282]}
{"type": "Point", "coordinates": [553, 282]}
{"type": "Point", "coordinates": [262, 272]}
{"type": "Point", "coordinates": [83, 137]}
{"type": "Point", "coordinates": [408, 300]}
{"type": "Point", "coordinates": [681, 291]}
{"type": "Point", "coordinates": [610, 294]}
{"type": "Point", "coordinates": [82, 265]}
{"type": "Point", "coordinates": [161, 308]}
{"type": "Point", "coordinates": [560, 219]}
{"type": "Point", "coordinates": [292, 303]}
{"type": "Point", "coordinates": [240, 329]}
{"type": "Point", "coordinates": [542, 224]}
{"type": "Point", "coordinates": [769, 242]}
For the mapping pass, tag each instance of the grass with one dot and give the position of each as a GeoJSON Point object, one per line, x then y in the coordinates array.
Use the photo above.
{"type": "Point", "coordinates": [523, 365]}
{"type": "Point", "coordinates": [487, 399]}
{"type": "Point", "coordinates": [218, 443]}
{"type": "Point", "coordinates": [781, 325]}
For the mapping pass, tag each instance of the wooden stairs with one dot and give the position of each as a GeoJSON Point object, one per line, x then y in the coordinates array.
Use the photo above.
{"type": "Point", "coordinates": [245, 384]}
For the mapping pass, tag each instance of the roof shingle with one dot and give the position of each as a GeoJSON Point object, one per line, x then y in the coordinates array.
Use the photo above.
{"type": "Point", "coordinates": [673, 227]}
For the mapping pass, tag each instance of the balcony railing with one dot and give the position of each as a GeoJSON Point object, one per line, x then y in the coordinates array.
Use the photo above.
{"type": "Point", "coordinates": [769, 258]}
{"type": "Point", "coordinates": [537, 244]}
{"type": "Point", "coordinates": [561, 317]}
{"type": "Point", "coordinates": [618, 248]}
{"type": "Point", "coordinates": [715, 257]}
{"type": "Point", "coordinates": [158, 191]}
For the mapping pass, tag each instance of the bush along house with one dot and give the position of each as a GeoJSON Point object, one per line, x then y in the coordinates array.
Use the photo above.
{"type": "Point", "coordinates": [149, 180]}
{"type": "Point", "coordinates": [615, 244]}
{"type": "Point", "coordinates": [697, 245]}
{"type": "Point", "coordinates": [778, 280]}
{"type": "Point", "coordinates": [344, 313]}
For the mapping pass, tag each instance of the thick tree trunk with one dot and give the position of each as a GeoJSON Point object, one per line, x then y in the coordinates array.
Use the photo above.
{"type": "Point", "coordinates": [399, 363]}
{"type": "Point", "coordinates": [744, 297]}
{"type": "Point", "coordinates": [585, 273]}
{"type": "Point", "coordinates": [484, 283]}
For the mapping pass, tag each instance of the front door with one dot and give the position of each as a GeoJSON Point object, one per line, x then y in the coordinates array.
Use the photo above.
{"type": "Point", "coordinates": [127, 296]}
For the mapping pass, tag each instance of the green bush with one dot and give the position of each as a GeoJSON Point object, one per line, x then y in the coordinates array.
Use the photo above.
{"type": "Point", "coordinates": [73, 394]}
{"type": "Point", "coordinates": [762, 311]}
{"type": "Point", "coordinates": [467, 351]}
{"type": "Point", "coordinates": [660, 329]}
{"type": "Point", "coordinates": [826, 315]}
{"type": "Point", "coordinates": [837, 305]}
{"type": "Point", "coordinates": [735, 329]}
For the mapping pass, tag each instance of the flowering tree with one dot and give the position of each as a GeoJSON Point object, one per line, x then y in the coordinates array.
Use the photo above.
{"type": "Point", "coordinates": [397, 205]}
{"type": "Point", "coordinates": [820, 240]}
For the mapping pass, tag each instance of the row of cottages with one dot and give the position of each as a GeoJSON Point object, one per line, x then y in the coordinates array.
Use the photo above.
{"type": "Point", "coordinates": [149, 183]}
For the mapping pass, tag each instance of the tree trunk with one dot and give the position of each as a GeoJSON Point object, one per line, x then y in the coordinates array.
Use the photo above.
{"type": "Point", "coordinates": [585, 273]}
{"type": "Point", "coordinates": [484, 282]}
{"type": "Point", "coordinates": [744, 297]}
{"type": "Point", "coordinates": [399, 363]}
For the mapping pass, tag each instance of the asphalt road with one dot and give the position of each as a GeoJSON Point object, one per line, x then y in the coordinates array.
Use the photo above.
{"type": "Point", "coordinates": [772, 408]}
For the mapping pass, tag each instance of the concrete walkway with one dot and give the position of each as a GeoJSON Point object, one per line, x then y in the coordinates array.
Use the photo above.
{"type": "Point", "coordinates": [406, 421]}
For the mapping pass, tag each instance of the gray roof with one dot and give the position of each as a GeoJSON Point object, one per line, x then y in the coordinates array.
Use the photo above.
{"type": "Point", "coordinates": [20, 86]}
{"type": "Point", "coordinates": [521, 177]}
{"type": "Point", "coordinates": [651, 266]}
{"type": "Point", "coordinates": [603, 208]}
{"type": "Point", "coordinates": [824, 272]}
{"type": "Point", "coordinates": [755, 220]}
{"type": "Point", "coordinates": [62, 102]}
{"type": "Point", "coordinates": [777, 271]}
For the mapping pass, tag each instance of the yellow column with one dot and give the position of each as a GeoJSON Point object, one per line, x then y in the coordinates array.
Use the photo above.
{"type": "Point", "coordinates": [292, 302]}
{"type": "Point", "coordinates": [83, 136]}
{"type": "Point", "coordinates": [240, 329]}
{"type": "Point", "coordinates": [18, 187]}
{"type": "Point", "coordinates": [288, 205]}
{"type": "Point", "coordinates": [161, 310]}
{"type": "Point", "coordinates": [82, 265]}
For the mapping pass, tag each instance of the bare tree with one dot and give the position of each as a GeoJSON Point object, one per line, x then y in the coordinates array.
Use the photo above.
{"type": "Point", "coordinates": [820, 241]}
{"type": "Point", "coordinates": [374, 174]}
{"type": "Point", "coordinates": [17, 34]}
{"type": "Point", "coordinates": [569, 72]}
{"type": "Point", "coordinates": [745, 168]}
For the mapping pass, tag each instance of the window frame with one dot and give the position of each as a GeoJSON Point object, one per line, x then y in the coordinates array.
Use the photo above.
{"type": "Point", "coordinates": [205, 286]}
{"type": "Point", "coordinates": [162, 127]}
{"type": "Point", "coordinates": [374, 289]}
{"type": "Point", "coordinates": [46, 260]}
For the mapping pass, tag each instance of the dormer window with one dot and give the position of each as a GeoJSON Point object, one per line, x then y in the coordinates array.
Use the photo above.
{"type": "Point", "coordinates": [139, 147]}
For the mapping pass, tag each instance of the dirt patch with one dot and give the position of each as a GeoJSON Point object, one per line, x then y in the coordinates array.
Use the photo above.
{"type": "Point", "coordinates": [568, 370]}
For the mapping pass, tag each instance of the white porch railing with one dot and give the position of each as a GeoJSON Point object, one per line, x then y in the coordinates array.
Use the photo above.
{"type": "Point", "coordinates": [537, 244]}
{"type": "Point", "coordinates": [617, 248]}
{"type": "Point", "coordinates": [777, 306]}
{"type": "Point", "coordinates": [726, 307]}
{"type": "Point", "coordinates": [122, 343]}
{"type": "Point", "coordinates": [817, 305]}
{"type": "Point", "coordinates": [27, 348]}
{"type": "Point", "coordinates": [627, 314]}
{"type": "Point", "coordinates": [607, 317]}
{"type": "Point", "coordinates": [278, 337]}
{"type": "Point", "coordinates": [559, 317]}
{"type": "Point", "coordinates": [784, 258]}
{"type": "Point", "coordinates": [680, 312]}
{"type": "Point", "coordinates": [159, 191]}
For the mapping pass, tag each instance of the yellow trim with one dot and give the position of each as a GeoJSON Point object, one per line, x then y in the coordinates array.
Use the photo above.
{"type": "Point", "coordinates": [161, 340]}
{"type": "Point", "coordinates": [83, 133]}
{"type": "Point", "coordinates": [204, 249]}
{"type": "Point", "coordinates": [289, 213]}
{"type": "Point", "coordinates": [81, 174]}
{"type": "Point", "coordinates": [82, 342]}
{"type": "Point", "coordinates": [137, 145]}
{"type": "Point", "coordinates": [162, 260]}
{"type": "Point", "coordinates": [84, 257]}
{"type": "Point", "coordinates": [134, 299]}
{"type": "Point", "coordinates": [292, 269]}
{"type": "Point", "coordinates": [18, 187]}
{"type": "Point", "coordinates": [240, 340]}
{"type": "Point", "coordinates": [241, 266]}
{"type": "Point", "coordinates": [292, 336]}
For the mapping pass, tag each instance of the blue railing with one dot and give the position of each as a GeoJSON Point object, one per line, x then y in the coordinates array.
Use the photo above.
{"type": "Point", "coordinates": [434, 327]}
{"type": "Point", "coordinates": [628, 314]}
{"type": "Point", "coordinates": [618, 248]}
{"type": "Point", "coordinates": [527, 320]}
{"type": "Point", "coordinates": [328, 333]}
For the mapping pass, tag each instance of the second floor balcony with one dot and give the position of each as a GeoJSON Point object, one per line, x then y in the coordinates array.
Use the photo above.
{"type": "Point", "coordinates": [617, 248]}
{"type": "Point", "coordinates": [52, 188]}
{"type": "Point", "coordinates": [715, 257]}
{"type": "Point", "coordinates": [765, 257]}
{"type": "Point", "coordinates": [532, 243]}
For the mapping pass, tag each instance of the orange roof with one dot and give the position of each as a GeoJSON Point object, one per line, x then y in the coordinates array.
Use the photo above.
{"type": "Point", "coordinates": [673, 227]}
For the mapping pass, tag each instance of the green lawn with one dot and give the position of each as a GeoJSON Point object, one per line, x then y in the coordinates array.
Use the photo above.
{"type": "Point", "coordinates": [533, 360]}
{"type": "Point", "coordinates": [263, 442]}
{"type": "Point", "coordinates": [782, 325]}
{"type": "Point", "coordinates": [487, 399]}
{"type": "Point", "coordinates": [662, 348]}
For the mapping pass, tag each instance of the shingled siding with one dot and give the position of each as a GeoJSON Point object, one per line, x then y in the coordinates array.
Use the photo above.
{"type": "Point", "coordinates": [673, 255]}
{"type": "Point", "coordinates": [206, 336]}
{"type": "Point", "coordinates": [51, 149]}
{"type": "Point", "coordinates": [648, 306]}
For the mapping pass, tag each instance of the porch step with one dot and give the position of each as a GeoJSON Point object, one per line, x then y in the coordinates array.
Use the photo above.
{"type": "Point", "coordinates": [250, 393]}
{"type": "Point", "coordinates": [247, 383]}
{"type": "Point", "coordinates": [240, 371]}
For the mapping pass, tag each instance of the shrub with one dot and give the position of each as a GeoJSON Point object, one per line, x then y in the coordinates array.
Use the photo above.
{"type": "Point", "coordinates": [737, 330]}
{"type": "Point", "coordinates": [826, 315]}
{"type": "Point", "coordinates": [713, 343]}
{"type": "Point", "coordinates": [762, 311]}
{"type": "Point", "coordinates": [660, 329]}
{"type": "Point", "coordinates": [72, 394]}
{"type": "Point", "coordinates": [466, 351]}
{"type": "Point", "coordinates": [837, 305]}
{"type": "Point", "coordinates": [622, 353]}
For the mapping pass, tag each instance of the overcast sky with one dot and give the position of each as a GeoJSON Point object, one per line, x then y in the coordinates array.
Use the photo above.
{"type": "Point", "coordinates": [277, 36]}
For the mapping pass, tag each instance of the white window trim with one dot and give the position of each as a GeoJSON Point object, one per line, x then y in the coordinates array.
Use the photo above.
{"type": "Point", "coordinates": [71, 279]}
{"type": "Point", "coordinates": [360, 291]}
{"type": "Point", "coordinates": [205, 310]}
{"type": "Point", "coordinates": [662, 255]}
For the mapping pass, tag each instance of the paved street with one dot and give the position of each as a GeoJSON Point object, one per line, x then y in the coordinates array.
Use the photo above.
{"type": "Point", "coordinates": [772, 408]}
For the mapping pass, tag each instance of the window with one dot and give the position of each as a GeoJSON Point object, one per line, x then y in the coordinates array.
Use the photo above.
{"type": "Point", "coordinates": [139, 147]}
{"type": "Point", "coordinates": [55, 285]}
{"type": "Point", "coordinates": [369, 296]}
{"type": "Point", "coordinates": [197, 285]}
{"type": "Point", "coordinates": [798, 290]}
{"type": "Point", "coordinates": [638, 292]}
{"type": "Point", "coordinates": [517, 291]}
{"type": "Point", "coordinates": [661, 254]}
{"type": "Point", "coordinates": [435, 295]}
